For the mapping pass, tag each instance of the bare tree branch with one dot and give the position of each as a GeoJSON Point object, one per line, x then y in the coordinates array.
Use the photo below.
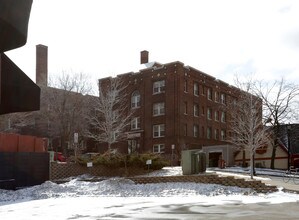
{"type": "Point", "coordinates": [279, 106]}
{"type": "Point", "coordinates": [247, 129]}
{"type": "Point", "coordinates": [111, 114]}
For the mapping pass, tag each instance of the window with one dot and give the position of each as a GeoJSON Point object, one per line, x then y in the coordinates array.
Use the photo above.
{"type": "Point", "coordinates": [186, 86]}
{"type": "Point", "coordinates": [223, 134]}
{"type": "Point", "coordinates": [196, 110]}
{"type": "Point", "coordinates": [216, 115]}
{"type": "Point", "coordinates": [209, 93]}
{"type": "Point", "coordinates": [158, 148]}
{"type": "Point", "coordinates": [185, 108]}
{"type": "Point", "coordinates": [159, 130]}
{"type": "Point", "coordinates": [135, 123]}
{"type": "Point", "coordinates": [217, 97]}
{"type": "Point", "coordinates": [159, 109]}
{"type": "Point", "coordinates": [196, 89]}
{"type": "Point", "coordinates": [185, 129]}
{"type": "Point", "coordinates": [159, 86]}
{"type": "Point", "coordinates": [216, 134]}
{"type": "Point", "coordinates": [209, 132]}
{"type": "Point", "coordinates": [222, 98]}
{"type": "Point", "coordinates": [223, 117]}
{"type": "Point", "coordinates": [209, 114]}
{"type": "Point", "coordinates": [195, 130]}
{"type": "Point", "coordinates": [135, 99]}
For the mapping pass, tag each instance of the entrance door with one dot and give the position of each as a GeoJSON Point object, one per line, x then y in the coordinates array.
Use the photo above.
{"type": "Point", "coordinates": [132, 146]}
{"type": "Point", "coordinates": [214, 158]}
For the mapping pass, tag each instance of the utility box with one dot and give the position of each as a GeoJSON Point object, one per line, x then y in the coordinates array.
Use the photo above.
{"type": "Point", "coordinates": [193, 162]}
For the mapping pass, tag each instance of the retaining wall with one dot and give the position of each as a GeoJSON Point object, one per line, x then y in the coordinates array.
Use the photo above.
{"type": "Point", "coordinates": [256, 185]}
{"type": "Point", "coordinates": [64, 170]}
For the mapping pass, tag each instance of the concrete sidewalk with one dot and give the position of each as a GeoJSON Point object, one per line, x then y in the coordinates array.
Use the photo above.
{"type": "Point", "coordinates": [267, 179]}
{"type": "Point", "coordinates": [279, 183]}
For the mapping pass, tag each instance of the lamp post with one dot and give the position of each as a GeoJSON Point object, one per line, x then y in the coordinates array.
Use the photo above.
{"type": "Point", "coordinates": [289, 143]}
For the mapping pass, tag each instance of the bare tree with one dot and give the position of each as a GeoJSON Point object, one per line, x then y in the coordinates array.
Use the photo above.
{"type": "Point", "coordinates": [110, 113]}
{"type": "Point", "coordinates": [247, 129]}
{"type": "Point", "coordinates": [278, 106]}
{"type": "Point", "coordinates": [64, 106]}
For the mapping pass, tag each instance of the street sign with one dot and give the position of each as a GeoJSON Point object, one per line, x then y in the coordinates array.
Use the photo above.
{"type": "Point", "coordinates": [76, 138]}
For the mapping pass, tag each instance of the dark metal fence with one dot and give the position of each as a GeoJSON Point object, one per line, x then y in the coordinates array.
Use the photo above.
{"type": "Point", "coordinates": [23, 169]}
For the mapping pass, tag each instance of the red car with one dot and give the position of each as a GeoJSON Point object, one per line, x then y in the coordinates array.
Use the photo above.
{"type": "Point", "coordinates": [59, 156]}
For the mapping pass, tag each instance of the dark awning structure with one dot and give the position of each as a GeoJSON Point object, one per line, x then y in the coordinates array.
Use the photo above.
{"type": "Point", "coordinates": [18, 93]}
{"type": "Point", "coordinates": [14, 18]}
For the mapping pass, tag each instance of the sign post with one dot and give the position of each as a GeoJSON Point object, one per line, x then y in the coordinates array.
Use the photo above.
{"type": "Point", "coordinates": [148, 163]}
{"type": "Point", "coordinates": [172, 153]}
{"type": "Point", "coordinates": [76, 138]}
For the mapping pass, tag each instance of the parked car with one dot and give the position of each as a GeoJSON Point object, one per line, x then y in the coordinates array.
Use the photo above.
{"type": "Point", "coordinates": [58, 156]}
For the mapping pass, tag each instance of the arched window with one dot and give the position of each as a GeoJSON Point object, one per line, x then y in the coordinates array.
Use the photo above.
{"type": "Point", "coordinates": [135, 99]}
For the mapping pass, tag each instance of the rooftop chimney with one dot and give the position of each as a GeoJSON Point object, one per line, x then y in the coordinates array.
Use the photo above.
{"type": "Point", "coordinates": [41, 65]}
{"type": "Point", "coordinates": [143, 57]}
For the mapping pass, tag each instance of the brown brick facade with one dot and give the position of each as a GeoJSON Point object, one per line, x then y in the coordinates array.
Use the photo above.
{"type": "Point", "coordinates": [185, 89]}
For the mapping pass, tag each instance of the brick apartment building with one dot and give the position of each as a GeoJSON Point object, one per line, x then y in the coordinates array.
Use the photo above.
{"type": "Point", "coordinates": [176, 107]}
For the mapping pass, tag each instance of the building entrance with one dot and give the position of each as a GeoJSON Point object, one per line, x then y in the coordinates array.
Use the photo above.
{"type": "Point", "coordinates": [214, 158]}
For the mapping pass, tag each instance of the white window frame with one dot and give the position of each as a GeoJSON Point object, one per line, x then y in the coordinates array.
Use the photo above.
{"type": "Point", "coordinates": [209, 94]}
{"type": "Point", "coordinates": [216, 115]}
{"type": "Point", "coordinates": [196, 89]}
{"type": "Point", "coordinates": [209, 113]}
{"type": "Point", "coordinates": [196, 130]}
{"type": "Point", "coordinates": [185, 108]}
{"type": "Point", "coordinates": [158, 148]}
{"type": "Point", "coordinates": [159, 109]}
{"type": "Point", "coordinates": [222, 98]}
{"type": "Point", "coordinates": [185, 86]}
{"type": "Point", "coordinates": [196, 110]}
{"type": "Point", "coordinates": [223, 117]}
{"type": "Point", "coordinates": [209, 133]}
{"type": "Point", "coordinates": [135, 99]}
{"type": "Point", "coordinates": [216, 134]}
{"type": "Point", "coordinates": [135, 123]}
{"type": "Point", "coordinates": [159, 130]}
{"type": "Point", "coordinates": [159, 87]}
{"type": "Point", "coordinates": [222, 134]}
{"type": "Point", "coordinates": [217, 96]}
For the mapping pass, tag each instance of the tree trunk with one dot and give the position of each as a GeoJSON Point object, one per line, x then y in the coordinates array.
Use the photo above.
{"type": "Point", "coordinates": [244, 159]}
{"type": "Point", "coordinates": [251, 165]}
{"type": "Point", "coordinates": [272, 166]}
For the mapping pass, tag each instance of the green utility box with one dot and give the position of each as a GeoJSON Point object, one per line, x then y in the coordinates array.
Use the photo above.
{"type": "Point", "coordinates": [193, 162]}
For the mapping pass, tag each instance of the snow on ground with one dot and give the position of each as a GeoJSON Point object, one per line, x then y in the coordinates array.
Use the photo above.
{"type": "Point", "coordinates": [54, 201]}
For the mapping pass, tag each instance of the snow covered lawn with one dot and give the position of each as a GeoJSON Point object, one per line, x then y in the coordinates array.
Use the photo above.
{"type": "Point", "coordinates": [121, 198]}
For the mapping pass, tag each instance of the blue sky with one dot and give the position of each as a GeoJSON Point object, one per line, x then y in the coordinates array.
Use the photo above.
{"type": "Point", "coordinates": [219, 37]}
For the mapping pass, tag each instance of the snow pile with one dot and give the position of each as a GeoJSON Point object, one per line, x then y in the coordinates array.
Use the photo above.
{"type": "Point", "coordinates": [121, 187]}
{"type": "Point", "coordinates": [117, 187]}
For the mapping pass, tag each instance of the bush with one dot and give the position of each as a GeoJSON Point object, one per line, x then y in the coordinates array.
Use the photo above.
{"type": "Point", "coordinates": [116, 160]}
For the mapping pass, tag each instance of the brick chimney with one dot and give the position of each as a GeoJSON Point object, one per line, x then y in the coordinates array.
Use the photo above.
{"type": "Point", "coordinates": [143, 57]}
{"type": "Point", "coordinates": [41, 65]}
